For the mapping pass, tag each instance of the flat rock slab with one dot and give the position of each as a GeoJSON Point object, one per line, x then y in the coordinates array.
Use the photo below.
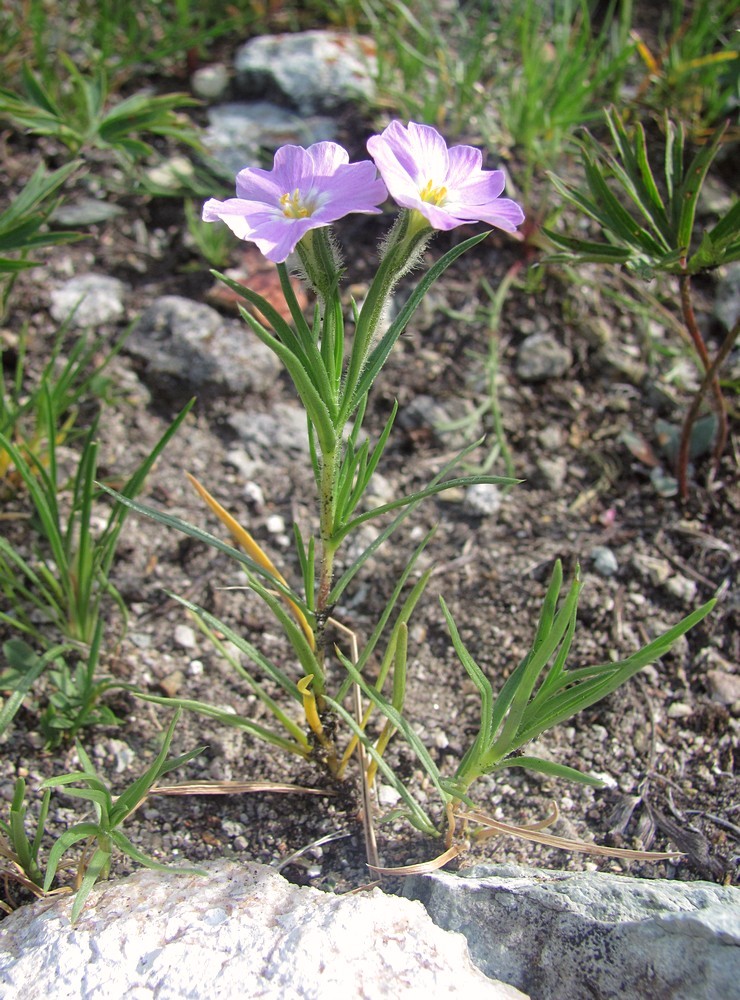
{"type": "Point", "coordinates": [241, 931]}
{"type": "Point", "coordinates": [589, 935]}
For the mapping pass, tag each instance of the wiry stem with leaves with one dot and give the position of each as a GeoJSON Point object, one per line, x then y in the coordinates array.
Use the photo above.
{"type": "Point", "coordinates": [654, 233]}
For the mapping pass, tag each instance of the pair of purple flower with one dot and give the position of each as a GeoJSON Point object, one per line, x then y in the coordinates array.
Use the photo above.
{"type": "Point", "coordinates": [310, 188]}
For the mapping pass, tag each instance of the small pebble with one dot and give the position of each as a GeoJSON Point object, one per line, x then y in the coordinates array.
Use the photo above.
{"type": "Point", "coordinates": [210, 82]}
{"type": "Point", "coordinates": [682, 588]}
{"type": "Point", "coordinates": [604, 560]}
{"type": "Point", "coordinates": [184, 637]}
{"type": "Point", "coordinates": [387, 796]}
{"type": "Point", "coordinates": [679, 710]}
{"type": "Point", "coordinates": [123, 754]}
{"type": "Point", "coordinates": [172, 683]}
{"type": "Point", "coordinates": [724, 687]}
{"type": "Point", "coordinates": [483, 499]}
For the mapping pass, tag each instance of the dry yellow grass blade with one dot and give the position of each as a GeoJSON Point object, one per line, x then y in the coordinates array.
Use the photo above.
{"type": "Point", "coordinates": [233, 788]}
{"type": "Point", "coordinates": [425, 866]}
{"type": "Point", "coordinates": [494, 828]}
{"type": "Point", "coordinates": [242, 537]}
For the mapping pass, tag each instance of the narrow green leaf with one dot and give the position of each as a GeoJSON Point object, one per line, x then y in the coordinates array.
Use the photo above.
{"type": "Point", "coordinates": [586, 693]}
{"type": "Point", "coordinates": [378, 356]}
{"type": "Point", "coordinates": [76, 833]}
{"type": "Point", "coordinates": [552, 769]}
{"type": "Point", "coordinates": [98, 865]}
{"type": "Point", "coordinates": [401, 724]}
{"type": "Point", "coordinates": [28, 667]}
{"type": "Point", "coordinates": [170, 521]}
{"type": "Point", "coordinates": [227, 719]}
{"type": "Point", "coordinates": [417, 816]}
{"type": "Point", "coordinates": [404, 615]}
{"type": "Point", "coordinates": [484, 737]}
{"type": "Point", "coordinates": [428, 491]}
{"type": "Point", "coordinates": [688, 194]}
{"type": "Point", "coordinates": [315, 400]}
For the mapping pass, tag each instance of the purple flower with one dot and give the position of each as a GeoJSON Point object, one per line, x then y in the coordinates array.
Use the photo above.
{"type": "Point", "coordinates": [306, 189]}
{"type": "Point", "coordinates": [447, 185]}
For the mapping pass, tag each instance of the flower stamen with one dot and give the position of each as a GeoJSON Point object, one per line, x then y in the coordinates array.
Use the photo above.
{"type": "Point", "coordinates": [433, 195]}
{"type": "Point", "coordinates": [295, 207]}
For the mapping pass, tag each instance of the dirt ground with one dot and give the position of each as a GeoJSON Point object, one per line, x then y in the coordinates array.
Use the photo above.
{"type": "Point", "coordinates": [665, 743]}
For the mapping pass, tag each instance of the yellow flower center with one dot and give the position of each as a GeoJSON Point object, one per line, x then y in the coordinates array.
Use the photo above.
{"type": "Point", "coordinates": [435, 195]}
{"type": "Point", "coordinates": [294, 207]}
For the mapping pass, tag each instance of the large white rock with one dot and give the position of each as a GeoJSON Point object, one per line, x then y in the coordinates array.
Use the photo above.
{"type": "Point", "coordinates": [590, 934]}
{"type": "Point", "coordinates": [240, 932]}
{"type": "Point", "coordinates": [315, 70]}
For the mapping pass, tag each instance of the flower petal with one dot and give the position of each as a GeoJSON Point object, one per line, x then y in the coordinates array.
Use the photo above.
{"type": "Point", "coordinates": [327, 158]}
{"type": "Point", "coordinates": [255, 184]}
{"type": "Point", "coordinates": [306, 189]}
{"type": "Point", "coordinates": [430, 149]}
{"type": "Point", "coordinates": [355, 187]}
{"type": "Point", "coordinates": [277, 238]}
{"type": "Point", "coordinates": [231, 212]}
{"type": "Point", "coordinates": [447, 186]}
{"type": "Point", "coordinates": [503, 213]}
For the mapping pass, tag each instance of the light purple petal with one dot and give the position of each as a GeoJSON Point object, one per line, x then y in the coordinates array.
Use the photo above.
{"type": "Point", "coordinates": [292, 168]}
{"type": "Point", "coordinates": [502, 213]}
{"type": "Point", "coordinates": [389, 161]}
{"type": "Point", "coordinates": [319, 181]}
{"type": "Point", "coordinates": [416, 162]}
{"type": "Point", "coordinates": [230, 212]}
{"type": "Point", "coordinates": [277, 239]}
{"type": "Point", "coordinates": [327, 158]}
{"type": "Point", "coordinates": [392, 149]}
{"type": "Point", "coordinates": [437, 217]}
{"type": "Point", "coordinates": [355, 187]}
{"type": "Point", "coordinates": [432, 155]}
{"type": "Point", "coordinates": [407, 160]}
{"type": "Point", "coordinates": [255, 184]}
{"type": "Point", "coordinates": [465, 164]}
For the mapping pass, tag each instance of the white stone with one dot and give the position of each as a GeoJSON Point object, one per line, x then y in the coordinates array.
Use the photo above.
{"type": "Point", "coordinates": [184, 637]}
{"type": "Point", "coordinates": [483, 499]}
{"type": "Point", "coordinates": [315, 70]}
{"type": "Point", "coordinates": [88, 300]}
{"type": "Point", "coordinates": [240, 931]}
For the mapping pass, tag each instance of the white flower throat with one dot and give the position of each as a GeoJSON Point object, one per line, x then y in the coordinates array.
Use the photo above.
{"type": "Point", "coordinates": [296, 206]}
